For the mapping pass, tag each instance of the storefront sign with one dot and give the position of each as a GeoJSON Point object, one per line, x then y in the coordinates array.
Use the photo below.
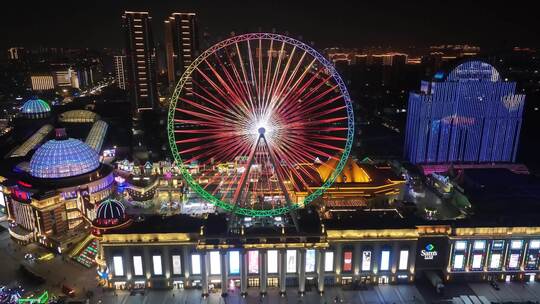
{"type": "Point", "coordinates": [429, 252]}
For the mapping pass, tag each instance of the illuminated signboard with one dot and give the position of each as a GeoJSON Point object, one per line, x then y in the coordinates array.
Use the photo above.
{"type": "Point", "coordinates": [513, 261]}
{"type": "Point", "coordinates": [310, 260]}
{"type": "Point", "coordinates": [137, 265]}
{"type": "Point", "coordinates": [366, 260]}
{"type": "Point", "coordinates": [118, 266]}
{"type": "Point", "coordinates": [195, 264]}
{"type": "Point", "coordinates": [477, 261]}
{"type": "Point", "coordinates": [176, 264]}
{"type": "Point", "coordinates": [253, 261]}
{"type": "Point", "coordinates": [328, 261]}
{"type": "Point", "coordinates": [495, 262]}
{"type": "Point", "coordinates": [403, 259]}
{"type": "Point", "coordinates": [234, 262]}
{"type": "Point", "coordinates": [458, 262]}
{"type": "Point", "coordinates": [273, 261]}
{"type": "Point", "coordinates": [347, 261]}
{"type": "Point", "coordinates": [291, 261]}
{"type": "Point", "coordinates": [429, 252]}
{"type": "Point", "coordinates": [534, 244]}
{"type": "Point", "coordinates": [215, 262]}
{"type": "Point", "coordinates": [432, 252]}
{"type": "Point", "coordinates": [156, 262]}
{"type": "Point", "coordinates": [385, 260]}
{"type": "Point", "coordinates": [532, 260]}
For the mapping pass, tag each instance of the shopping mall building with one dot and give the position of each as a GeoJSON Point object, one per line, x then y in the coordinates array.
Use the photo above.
{"type": "Point", "coordinates": [383, 247]}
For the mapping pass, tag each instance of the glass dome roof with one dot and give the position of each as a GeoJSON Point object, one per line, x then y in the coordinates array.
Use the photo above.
{"type": "Point", "coordinates": [63, 158]}
{"type": "Point", "coordinates": [35, 106]}
{"type": "Point", "coordinates": [474, 70]}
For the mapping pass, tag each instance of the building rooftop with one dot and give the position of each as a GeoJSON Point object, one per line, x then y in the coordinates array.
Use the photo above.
{"type": "Point", "coordinates": [35, 106]}
{"type": "Point", "coordinates": [63, 158]}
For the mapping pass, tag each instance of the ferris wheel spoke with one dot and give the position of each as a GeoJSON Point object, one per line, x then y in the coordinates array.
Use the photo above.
{"type": "Point", "coordinates": [217, 114]}
{"type": "Point", "coordinates": [234, 83]}
{"type": "Point", "coordinates": [221, 92]}
{"type": "Point", "coordinates": [293, 90]}
{"type": "Point", "coordinates": [300, 99]}
{"type": "Point", "coordinates": [234, 98]}
{"type": "Point", "coordinates": [233, 108]}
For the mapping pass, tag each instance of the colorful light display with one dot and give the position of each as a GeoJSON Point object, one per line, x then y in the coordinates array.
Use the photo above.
{"type": "Point", "coordinates": [271, 106]}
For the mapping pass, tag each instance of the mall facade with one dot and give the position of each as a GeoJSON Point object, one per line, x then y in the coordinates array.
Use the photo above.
{"type": "Point", "coordinates": [186, 252]}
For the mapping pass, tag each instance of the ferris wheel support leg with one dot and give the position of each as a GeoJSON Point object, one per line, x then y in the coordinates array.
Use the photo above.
{"type": "Point", "coordinates": [282, 184]}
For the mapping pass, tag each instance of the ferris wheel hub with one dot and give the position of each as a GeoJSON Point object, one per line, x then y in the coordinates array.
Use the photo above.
{"type": "Point", "coordinates": [262, 130]}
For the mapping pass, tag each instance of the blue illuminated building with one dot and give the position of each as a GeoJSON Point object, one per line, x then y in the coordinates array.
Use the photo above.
{"type": "Point", "coordinates": [63, 158]}
{"type": "Point", "coordinates": [36, 108]}
{"type": "Point", "coordinates": [471, 116]}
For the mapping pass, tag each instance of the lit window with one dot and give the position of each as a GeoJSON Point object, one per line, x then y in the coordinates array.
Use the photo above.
{"type": "Point", "coordinates": [215, 262]}
{"type": "Point", "coordinates": [291, 261]}
{"type": "Point", "coordinates": [461, 245]}
{"type": "Point", "coordinates": [137, 265]}
{"type": "Point", "coordinates": [195, 264]}
{"type": "Point", "coordinates": [272, 261]}
{"type": "Point", "coordinates": [310, 260]}
{"type": "Point", "coordinates": [118, 266]}
{"type": "Point", "coordinates": [176, 264]}
{"type": "Point", "coordinates": [156, 262]}
{"type": "Point", "coordinates": [328, 261]}
{"type": "Point", "coordinates": [516, 244]}
{"type": "Point", "coordinates": [479, 245]}
{"type": "Point", "coordinates": [535, 244]}
{"type": "Point", "coordinates": [403, 259]}
{"type": "Point", "coordinates": [234, 262]}
{"type": "Point", "coordinates": [385, 260]}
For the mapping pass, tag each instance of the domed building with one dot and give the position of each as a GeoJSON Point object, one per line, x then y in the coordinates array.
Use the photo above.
{"type": "Point", "coordinates": [110, 214]}
{"type": "Point", "coordinates": [57, 196]}
{"type": "Point", "coordinates": [36, 108]}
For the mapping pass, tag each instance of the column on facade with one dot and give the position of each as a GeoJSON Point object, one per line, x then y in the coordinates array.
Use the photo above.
{"type": "Point", "coordinates": [357, 261]}
{"type": "Point", "coordinates": [186, 262]}
{"type": "Point", "coordinates": [320, 270]}
{"type": "Point", "coordinates": [204, 273]}
{"type": "Point", "coordinates": [243, 272]}
{"type": "Point", "coordinates": [147, 262]}
{"type": "Point", "coordinates": [302, 271]}
{"type": "Point", "coordinates": [412, 259]}
{"type": "Point", "coordinates": [338, 257]}
{"type": "Point", "coordinates": [127, 263]}
{"type": "Point", "coordinates": [224, 272]}
{"type": "Point", "coordinates": [394, 259]}
{"type": "Point", "coordinates": [282, 271]}
{"type": "Point", "coordinates": [375, 258]}
{"type": "Point", "coordinates": [166, 260]}
{"type": "Point", "coordinates": [263, 271]}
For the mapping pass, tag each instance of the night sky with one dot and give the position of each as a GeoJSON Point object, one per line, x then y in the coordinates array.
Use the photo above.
{"type": "Point", "coordinates": [353, 23]}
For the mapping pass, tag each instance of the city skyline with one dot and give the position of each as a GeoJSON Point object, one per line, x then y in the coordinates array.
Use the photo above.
{"type": "Point", "coordinates": [350, 25]}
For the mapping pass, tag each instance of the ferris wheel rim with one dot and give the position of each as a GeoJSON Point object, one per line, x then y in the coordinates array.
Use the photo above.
{"type": "Point", "coordinates": [235, 208]}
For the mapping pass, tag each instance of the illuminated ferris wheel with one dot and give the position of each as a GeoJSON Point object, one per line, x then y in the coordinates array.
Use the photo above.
{"type": "Point", "coordinates": [255, 119]}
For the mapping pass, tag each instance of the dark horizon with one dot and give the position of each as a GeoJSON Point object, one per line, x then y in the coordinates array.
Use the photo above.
{"type": "Point", "coordinates": [338, 23]}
